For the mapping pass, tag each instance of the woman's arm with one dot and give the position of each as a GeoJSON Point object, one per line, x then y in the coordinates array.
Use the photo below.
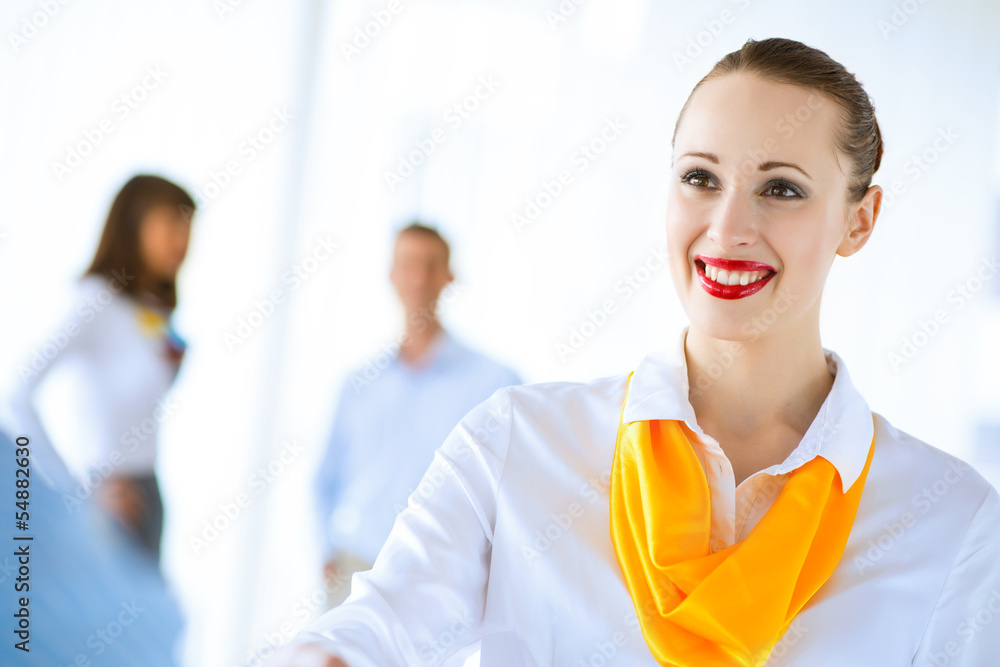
{"type": "Point", "coordinates": [964, 628]}
{"type": "Point", "coordinates": [425, 597]}
{"type": "Point", "coordinates": [75, 332]}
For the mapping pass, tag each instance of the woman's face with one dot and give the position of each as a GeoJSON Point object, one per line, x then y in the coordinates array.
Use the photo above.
{"type": "Point", "coordinates": [757, 206]}
{"type": "Point", "coordinates": [163, 240]}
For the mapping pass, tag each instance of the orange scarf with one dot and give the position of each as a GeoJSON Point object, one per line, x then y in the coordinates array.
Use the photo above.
{"type": "Point", "coordinates": [724, 609]}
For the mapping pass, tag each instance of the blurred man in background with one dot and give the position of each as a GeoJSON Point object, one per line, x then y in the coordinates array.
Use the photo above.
{"type": "Point", "coordinates": [393, 414]}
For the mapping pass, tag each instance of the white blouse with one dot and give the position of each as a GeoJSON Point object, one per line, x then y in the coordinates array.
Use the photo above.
{"type": "Point", "coordinates": [506, 540]}
{"type": "Point", "coordinates": [120, 359]}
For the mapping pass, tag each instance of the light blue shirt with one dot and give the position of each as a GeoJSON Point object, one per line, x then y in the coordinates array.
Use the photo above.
{"type": "Point", "coordinates": [391, 417]}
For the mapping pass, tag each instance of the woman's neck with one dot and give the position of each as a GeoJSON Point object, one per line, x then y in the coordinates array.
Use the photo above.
{"type": "Point", "coordinates": [759, 395]}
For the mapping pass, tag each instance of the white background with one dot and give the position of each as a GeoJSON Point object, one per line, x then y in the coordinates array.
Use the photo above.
{"type": "Point", "coordinates": [518, 293]}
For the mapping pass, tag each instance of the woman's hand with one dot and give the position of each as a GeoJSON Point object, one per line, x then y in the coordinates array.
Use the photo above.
{"type": "Point", "coordinates": [332, 570]}
{"type": "Point", "coordinates": [123, 499]}
{"type": "Point", "coordinates": [309, 654]}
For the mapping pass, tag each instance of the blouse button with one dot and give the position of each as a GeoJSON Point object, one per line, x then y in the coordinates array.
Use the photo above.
{"type": "Point", "coordinates": [718, 546]}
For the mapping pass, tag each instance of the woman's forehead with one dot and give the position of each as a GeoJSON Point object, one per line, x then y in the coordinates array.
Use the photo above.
{"type": "Point", "coordinates": [740, 115]}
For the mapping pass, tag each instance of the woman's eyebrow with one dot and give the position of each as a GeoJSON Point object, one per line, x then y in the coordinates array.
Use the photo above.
{"type": "Point", "coordinates": [764, 166]}
{"type": "Point", "coordinates": [774, 165]}
{"type": "Point", "coordinates": [711, 157]}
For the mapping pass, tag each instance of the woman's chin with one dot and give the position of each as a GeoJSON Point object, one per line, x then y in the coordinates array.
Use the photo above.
{"type": "Point", "coordinates": [721, 327]}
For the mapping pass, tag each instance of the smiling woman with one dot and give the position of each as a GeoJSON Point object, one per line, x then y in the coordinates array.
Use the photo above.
{"type": "Point", "coordinates": [731, 502]}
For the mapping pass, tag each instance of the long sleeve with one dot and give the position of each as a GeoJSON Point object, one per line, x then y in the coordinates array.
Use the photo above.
{"type": "Point", "coordinates": [425, 596]}
{"type": "Point", "coordinates": [76, 333]}
{"type": "Point", "coordinates": [964, 629]}
{"type": "Point", "coordinates": [330, 476]}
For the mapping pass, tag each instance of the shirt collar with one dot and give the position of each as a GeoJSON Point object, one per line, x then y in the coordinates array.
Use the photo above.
{"type": "Point", "coordinates": [441, 348]}
{"type": "Point", "coordinates": [841, 431]}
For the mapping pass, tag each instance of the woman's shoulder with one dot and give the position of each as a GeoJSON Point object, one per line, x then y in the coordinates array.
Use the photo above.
{"type": "Point", "coordinates": [928, 476]}
{"type": "Point", "coordinates": [100, 304]}
{"type": "Point", "coordinates": [555, 416]}
{"type": "Point", "coordinates": [545, 423]}
{"type": "Point", "coordinates": [546, 404]}
{"type": "Point", "coordinates": [80, 319]}
{"type": "Point", "coordinates": [567, 396]}
{"type": "Point", "coordinates": [94, 288]}
{"type": "Point", "coordinates": [90, 283]}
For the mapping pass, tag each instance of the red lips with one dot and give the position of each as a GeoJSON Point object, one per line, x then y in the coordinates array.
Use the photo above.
{"type": "Point", "coordinates": [734, 264]}
{"type": "Point", "coordinates": [732, 291]}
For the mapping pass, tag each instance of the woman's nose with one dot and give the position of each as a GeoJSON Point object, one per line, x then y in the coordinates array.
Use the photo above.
{"type": "Point", "coordinates": [732, 221]}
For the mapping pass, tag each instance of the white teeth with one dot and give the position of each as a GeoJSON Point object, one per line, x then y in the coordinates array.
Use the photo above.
{"type": "Point", "coordinates": [724, 277]}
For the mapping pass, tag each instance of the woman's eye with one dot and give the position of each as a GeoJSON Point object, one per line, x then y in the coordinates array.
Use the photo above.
{"type": "Point", "coordinates": [782, 191]}
{"type": "Point", "coordinates": [697, 178]}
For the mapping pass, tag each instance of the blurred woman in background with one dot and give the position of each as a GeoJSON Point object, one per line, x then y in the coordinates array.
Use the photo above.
{"type": "Point", "coordinates": [123, 354]}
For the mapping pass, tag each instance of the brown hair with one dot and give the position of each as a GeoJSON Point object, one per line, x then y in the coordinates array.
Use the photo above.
{"type": "Point", "coordinates": [118, 248]}
{"type": "Point", "coordinates": [418, 227]}
{"type": "Point", "coordinates": [788, 61]}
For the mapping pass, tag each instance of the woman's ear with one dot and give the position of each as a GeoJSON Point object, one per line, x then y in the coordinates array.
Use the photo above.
{"type": "Point", "coordinates": [861, 219]}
